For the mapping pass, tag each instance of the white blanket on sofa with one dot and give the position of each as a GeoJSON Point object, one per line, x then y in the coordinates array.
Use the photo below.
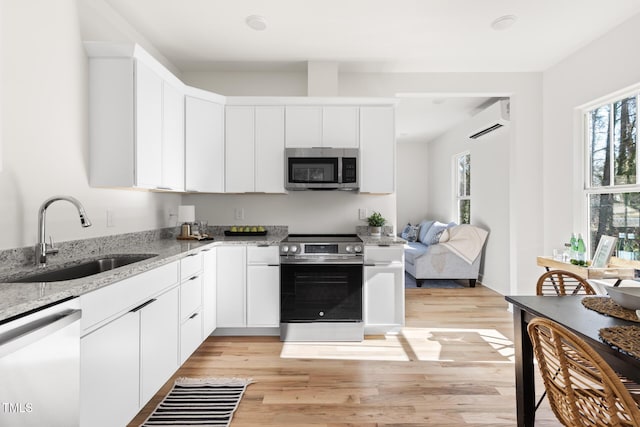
{"type": "Point", "coordinates": [464, 240]}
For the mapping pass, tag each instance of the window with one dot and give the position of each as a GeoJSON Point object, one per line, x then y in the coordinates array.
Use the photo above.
{"type": "Point", "coordinates": [612, 188]}
{"type": "Point", "coordinates": [462, 165]}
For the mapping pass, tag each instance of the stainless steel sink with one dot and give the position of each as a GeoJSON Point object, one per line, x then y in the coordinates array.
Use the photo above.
{"type": "Point", "coordinates": [84, 269]}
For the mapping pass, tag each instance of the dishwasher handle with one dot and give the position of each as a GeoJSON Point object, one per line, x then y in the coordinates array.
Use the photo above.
{"type": "Point", "coordinates": [32, 332]}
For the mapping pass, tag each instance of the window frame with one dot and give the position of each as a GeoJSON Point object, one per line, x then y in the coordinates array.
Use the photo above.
{"type": "Point", "coordinates": [588, 189]}
{"type": "Point", "coordinates": [457, 196]}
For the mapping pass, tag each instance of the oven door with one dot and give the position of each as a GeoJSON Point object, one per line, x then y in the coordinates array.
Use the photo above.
{"type": "Point", "coordinates": [320, 293]}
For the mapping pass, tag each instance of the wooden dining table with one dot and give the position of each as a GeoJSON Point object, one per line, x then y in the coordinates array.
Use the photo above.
{"type": "Point", "coordinates": [570, 313]}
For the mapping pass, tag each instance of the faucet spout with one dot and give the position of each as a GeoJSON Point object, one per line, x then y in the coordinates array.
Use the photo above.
{"type": "Point", "coordinates": [42, 249]}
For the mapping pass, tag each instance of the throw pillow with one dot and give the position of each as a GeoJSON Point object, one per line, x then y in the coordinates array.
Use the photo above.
{"type": "Point", "coordinates": [433, 234]}
{"type": "Point", "coordinates": [412, 235]}
{"type": "Point", "coordinates": [405, 231]}
{"type": "Point", "coordinates": [424, 226]}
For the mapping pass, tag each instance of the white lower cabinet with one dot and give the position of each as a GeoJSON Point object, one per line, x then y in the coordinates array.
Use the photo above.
{"type": "Point", "coordinates": [190, 305]}
{"type": "Point", "coordinates": [231, 282]}
{"type": "Point", "coordinates": [383, 289]}
{"type": "Point", "coordinates": [158, 343]}
{"type": "Point", "coordinates": [109, 373]}
{"type": "Point", "coordinates": [248, 286]}
{"type": "Point", "coordinates": [125, 362]}
{"type": "Point", "coordinates": [209, 263]}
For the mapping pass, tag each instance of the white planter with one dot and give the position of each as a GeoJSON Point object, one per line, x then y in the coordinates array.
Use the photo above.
{"type": "Point", "coordinates": [375, 231]}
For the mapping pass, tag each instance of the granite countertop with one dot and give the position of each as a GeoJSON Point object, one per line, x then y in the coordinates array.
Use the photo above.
{"type": "Point", "coordinates": [19, 298]}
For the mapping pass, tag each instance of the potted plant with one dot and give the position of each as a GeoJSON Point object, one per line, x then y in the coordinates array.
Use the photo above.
{"type": "Point", "coordinates": [376, 221]}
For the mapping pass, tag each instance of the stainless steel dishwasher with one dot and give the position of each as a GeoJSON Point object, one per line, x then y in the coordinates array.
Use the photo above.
{"type": "Point", "coordinates": [40, 367]}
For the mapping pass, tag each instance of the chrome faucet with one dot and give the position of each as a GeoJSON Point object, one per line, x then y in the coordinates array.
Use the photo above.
{"type": "Point", "coordinates": [42, 247]}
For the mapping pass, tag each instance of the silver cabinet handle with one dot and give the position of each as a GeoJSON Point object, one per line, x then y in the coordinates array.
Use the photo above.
{"type": "Point", "coordinates": [143, 305]}
{"type": "Point", "coordinates": [193, 315]}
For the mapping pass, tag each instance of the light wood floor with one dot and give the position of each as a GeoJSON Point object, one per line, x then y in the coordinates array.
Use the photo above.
{"type": "Point", "coordinates": [452, 365]}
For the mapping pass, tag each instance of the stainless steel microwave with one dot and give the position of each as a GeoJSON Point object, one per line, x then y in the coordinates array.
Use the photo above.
{"type": "Point", "coordinates": [322, 169]}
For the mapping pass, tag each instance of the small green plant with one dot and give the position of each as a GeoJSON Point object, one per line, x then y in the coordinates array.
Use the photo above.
{"type": "Point", "coordinates": [376, 220]}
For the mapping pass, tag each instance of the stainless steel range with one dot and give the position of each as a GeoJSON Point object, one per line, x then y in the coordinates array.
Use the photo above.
{"type": "Point", "coordinates": [321, 288]}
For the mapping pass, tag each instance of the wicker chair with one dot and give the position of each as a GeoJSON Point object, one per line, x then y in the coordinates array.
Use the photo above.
{"type": "Point", "coordinates": [560, 282]}
{"type": "Point", "coordinates": [582, 389]}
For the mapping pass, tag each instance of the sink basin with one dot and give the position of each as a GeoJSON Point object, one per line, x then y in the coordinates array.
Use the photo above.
{"type": "Point", "coordinates": [84, 269]}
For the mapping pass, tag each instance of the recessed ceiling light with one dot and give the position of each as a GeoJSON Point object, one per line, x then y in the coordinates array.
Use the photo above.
{"type": "Point", "coordinates": [256, 22]}
{"type": "Point", "coordinates": [503, 22]}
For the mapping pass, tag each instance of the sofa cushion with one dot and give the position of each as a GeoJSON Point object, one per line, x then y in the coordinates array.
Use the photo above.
{"type": "Point", "coordinates": [424, 227]}
{"type": "Point", "coordinates": [414, 250]}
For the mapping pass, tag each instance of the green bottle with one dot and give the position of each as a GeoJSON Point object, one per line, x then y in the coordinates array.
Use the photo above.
{"type": "Point", "coordinates": [582, 250]}
{"type": "Point", "coordinates": [574, 246]}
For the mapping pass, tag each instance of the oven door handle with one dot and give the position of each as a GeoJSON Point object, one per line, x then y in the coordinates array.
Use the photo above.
{"type": "Point", "coordinates": [320, 260]}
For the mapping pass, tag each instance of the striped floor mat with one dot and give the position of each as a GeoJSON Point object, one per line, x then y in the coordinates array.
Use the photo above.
{"type": "Point", "coordinates": [199, 402]}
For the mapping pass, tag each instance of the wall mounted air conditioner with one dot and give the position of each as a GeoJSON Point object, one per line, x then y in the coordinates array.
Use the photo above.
{"type": "Point", "coordinates": [494, 117]}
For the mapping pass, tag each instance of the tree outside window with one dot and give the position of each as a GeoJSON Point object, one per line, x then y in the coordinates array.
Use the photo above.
{"type": "Point", "coordinates": [612, 187]}
{"type": "Point", "coordinates": [463, 187]}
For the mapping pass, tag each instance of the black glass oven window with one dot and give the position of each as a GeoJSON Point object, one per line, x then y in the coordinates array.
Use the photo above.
{"type": "Point", "coordinates": [320, 292]}
{"type": "Point", "coordinates": [313, 170]}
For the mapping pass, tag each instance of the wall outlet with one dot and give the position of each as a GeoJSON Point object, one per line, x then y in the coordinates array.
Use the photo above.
{"type": "Point", "coordinates": [362, 213]}
{"type": "Point", "coordinates": [110, 218]}
{"type": "Point", "coordinates": [238, 213]}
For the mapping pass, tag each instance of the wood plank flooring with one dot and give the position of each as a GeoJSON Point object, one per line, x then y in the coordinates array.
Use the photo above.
{"type": "Point", "coordinates": [452, 365]}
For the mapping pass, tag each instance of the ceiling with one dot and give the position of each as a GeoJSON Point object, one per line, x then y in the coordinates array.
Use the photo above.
{"type": "Point", "coordinates": [372, 35]}
{"type": "Point", "coordinates": [376, 36]}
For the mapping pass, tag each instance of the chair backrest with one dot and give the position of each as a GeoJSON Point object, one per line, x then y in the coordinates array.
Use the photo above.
{"type": "Point", "coordinates": [560, 282]}
{"type": "Point", "coordinates": [582, 388]}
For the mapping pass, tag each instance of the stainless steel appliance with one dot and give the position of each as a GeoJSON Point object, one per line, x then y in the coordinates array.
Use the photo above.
{"type": "Point", "coordinates": [322, 169]}
{"type": "Point", "coordinates": [40, 368]}
{"type": "Point", "coordinates": [321, 288]}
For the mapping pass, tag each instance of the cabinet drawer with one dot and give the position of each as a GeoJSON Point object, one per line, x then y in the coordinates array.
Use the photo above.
{"type": "Point", "coordinates": [190, 335]}
{"type": "Point", "coordinates": [383, 254]}
{"type": "Point", "coordinates": [105, 303]}
{"type": "Point", "coordinates": [190, 266]}
{"type": "Point", "coordinates": [263, 255]}
{"type": "Point", "coordinates": [190, 296]}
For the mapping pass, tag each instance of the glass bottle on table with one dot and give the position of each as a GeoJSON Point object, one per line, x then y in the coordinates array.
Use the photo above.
{"type": "Point", "coordinates": [574, 246]}
{"type": "Point", "coordinates": [581, 249]}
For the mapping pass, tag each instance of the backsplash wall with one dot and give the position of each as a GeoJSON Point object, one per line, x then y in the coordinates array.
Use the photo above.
{"type": "Point", "coordinates": [302, 211]}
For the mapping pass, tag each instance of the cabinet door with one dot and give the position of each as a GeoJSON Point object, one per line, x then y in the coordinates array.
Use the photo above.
{"type": "Point", "coordinates": [269, 150]}
{"type": "Point", "coordinates": [159, 324]}
{"type": "Point", "coordinates": [172, 138]}
{"type": "Point", "coordinates": [208, 291]}
{"type": "Point", "coordinates": [340, 127]}
{"type": "Point", "coordinates": [148, 157]}
{"type": "Point", "coordinates": [204, 145]}
{"type": "Point", "coordinates": [190, 335]}
{"type": "Point", "coordinates": [239, 149]}
{"type": "Point", "coordinates": [377, 150]}
{"type": "Point", "coordinates": [231, 282]}
{"type": "Point", "coordinates": [303, 127]}
{"type": "Point", "coordinates": [109, 373]}
{"type": "Point", "coordinates": [263, 295]}
{"type": "Point", "coordinates": [383, 295]}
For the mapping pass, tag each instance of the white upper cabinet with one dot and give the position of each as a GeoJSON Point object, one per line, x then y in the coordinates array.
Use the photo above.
{"type": "Point", "coordinates": [136, 123]}
{"type": "Point", "coordinates": [239, 144]}
{"type": "Point", "coordinates": [254, 149]}
{"type": "Point", "coordinates": [340, 127]}
{"type": "Point", "coordinates": [204, 145]}
{"type": "Point", "coordinates": [303, 126]}
{"type": "Point", "coordinates": [173, 137]}
{"type": "Point", "coordinates": [377, 150]}
{"type": "Point", "coordinates": [318, 126]}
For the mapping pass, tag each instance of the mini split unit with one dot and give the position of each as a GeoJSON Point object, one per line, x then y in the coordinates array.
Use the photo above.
{"type": "Point", "coordinates": [494, 117]}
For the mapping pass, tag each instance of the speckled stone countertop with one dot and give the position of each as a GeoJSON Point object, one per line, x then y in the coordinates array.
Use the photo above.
{"type": "Point", "coordinates": [381, 240]}
{"type": "Point", "coordinates": [20, 298]}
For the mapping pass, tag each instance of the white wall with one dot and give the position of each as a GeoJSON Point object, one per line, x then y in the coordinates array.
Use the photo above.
{"type": "Point", "coordinates": [45, 131]}
{"type": "Point", "coordinates": [246, 83]}
{"type": "Point", "coordinates": [412, 180]}
{"type": "Point", "coordinates": [489, 193]}
{"type": "Point", "coordinates": [607, 65]}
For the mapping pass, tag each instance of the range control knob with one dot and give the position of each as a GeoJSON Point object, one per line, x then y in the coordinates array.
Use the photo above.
{"type": "Point", "coordinates": [349, 248]}
{"type": "Point", "coordinates": [293, 249]}
{"type": "Point", "coordinates": [284, 248]}
{"type": "Point", "coordinates": [321, 314]}
{"type": "Point", "coordinates": [358, 248]}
